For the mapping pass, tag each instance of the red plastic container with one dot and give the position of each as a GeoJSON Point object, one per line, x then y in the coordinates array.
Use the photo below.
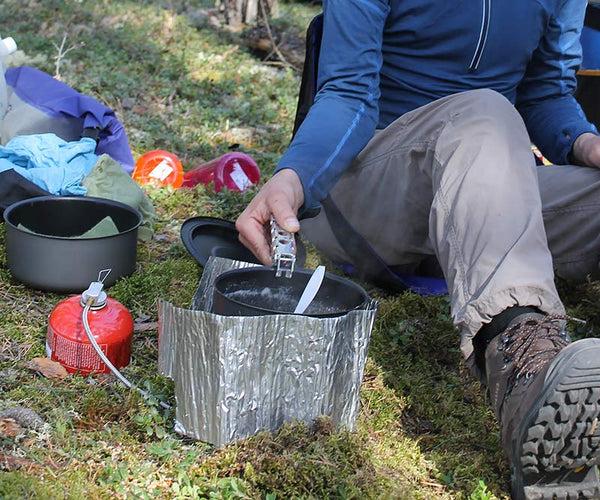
{"type": "Point", "coordinates": [234, 171]}
{"type": "Point", "coordinates": [67, 343]}
{"type": "Point", "coordinates": [158, 168]}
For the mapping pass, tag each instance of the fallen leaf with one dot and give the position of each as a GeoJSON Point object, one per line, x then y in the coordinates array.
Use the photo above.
{"type": "Point", "coordinates": [262, 44]}
{"type": "Point", "coordinates": [48, 368]}
{"type": "Point", "coordinates": [139, 109]}
{"type": "Point", "coordinates": [10, 463]}
{"type": "Point", "coordinates": [9, 428]}
{"type": "Point", "coordinates": [145, 327]}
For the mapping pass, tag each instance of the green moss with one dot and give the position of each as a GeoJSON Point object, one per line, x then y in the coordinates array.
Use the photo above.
{"type": "Point", "coordinates": [48, 485]}
{"type": "Point", "coordinates": [301, 462]}
{"type": "Point", "coordinates": [172, 279]}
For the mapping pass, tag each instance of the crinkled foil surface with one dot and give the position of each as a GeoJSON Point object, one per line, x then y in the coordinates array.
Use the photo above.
{"type": "Point", "coordinates": [235, 376]}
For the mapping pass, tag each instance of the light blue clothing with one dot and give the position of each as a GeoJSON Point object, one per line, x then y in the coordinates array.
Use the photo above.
{"type": "Point", "coordinates": [53, 164]}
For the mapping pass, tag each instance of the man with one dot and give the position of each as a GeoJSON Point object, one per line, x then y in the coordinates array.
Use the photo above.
{"type": "Point", "coordinates": [421, 133]}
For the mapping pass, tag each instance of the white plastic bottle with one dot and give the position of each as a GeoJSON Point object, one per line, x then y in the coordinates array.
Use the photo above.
{"type": "Point", "coordinates": [7, 47]}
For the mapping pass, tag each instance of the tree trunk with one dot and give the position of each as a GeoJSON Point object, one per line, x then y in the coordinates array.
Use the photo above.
{"type": "Point", "coordinates": [238, 12]}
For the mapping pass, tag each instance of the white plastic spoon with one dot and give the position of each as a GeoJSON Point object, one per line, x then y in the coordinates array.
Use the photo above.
{"type": "Point", "coordinates": [312, 288]}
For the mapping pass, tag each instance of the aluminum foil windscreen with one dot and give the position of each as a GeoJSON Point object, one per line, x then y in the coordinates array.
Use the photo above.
{"type": "Point", "coordinates": [235, 376]}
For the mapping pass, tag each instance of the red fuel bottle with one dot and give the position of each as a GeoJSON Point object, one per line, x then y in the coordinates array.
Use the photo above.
{"type": "Point", "coordinates": [67, 343]}
{"type": "Point", "coordinates": [234, 171]}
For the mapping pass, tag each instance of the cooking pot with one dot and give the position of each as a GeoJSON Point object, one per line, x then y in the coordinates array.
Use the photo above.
{"type": "Point", "coordinates": [256, 291]}
{"type": "Point", "coordinates": [46, 256]}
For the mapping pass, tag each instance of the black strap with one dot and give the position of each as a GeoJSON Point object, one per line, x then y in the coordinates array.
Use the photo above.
{"type": "Point", "coordinates": [592, 18]}
{"type": "Point", "coordinates": [92, 133]}
{"type": "Point", "coordinates": [310, 71]}
{"type": "Point", "coordinates": [14, 188]}
{"type": "Point", "coordinates": [371, 267]}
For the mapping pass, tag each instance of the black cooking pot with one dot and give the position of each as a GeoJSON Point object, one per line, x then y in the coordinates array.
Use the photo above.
{"type": "Point", "coordinates": [257, 292]}
{"type": "Point", "coordinates": [47, 257]}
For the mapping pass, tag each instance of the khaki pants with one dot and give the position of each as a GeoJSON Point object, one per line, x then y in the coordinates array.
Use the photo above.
{"type": "Point", "coordinates": [457, 179]}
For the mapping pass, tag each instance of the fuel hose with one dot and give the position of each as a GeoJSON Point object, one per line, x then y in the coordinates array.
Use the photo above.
{"type": "Point", "coordinates": [88, 331]}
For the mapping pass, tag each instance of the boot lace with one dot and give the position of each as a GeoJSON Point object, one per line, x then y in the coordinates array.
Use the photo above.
{"type": "Point", "coordinates": [531, 345]}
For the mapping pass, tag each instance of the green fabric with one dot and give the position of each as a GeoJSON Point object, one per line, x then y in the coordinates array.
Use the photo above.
{"type": "Point", "coordinates": [106, 227]}
{"type": "Point", "coordinates": [109, 180]}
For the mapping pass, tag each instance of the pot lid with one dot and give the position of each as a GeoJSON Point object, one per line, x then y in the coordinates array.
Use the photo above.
{"type": "Point", "coordinates": [209, 236]}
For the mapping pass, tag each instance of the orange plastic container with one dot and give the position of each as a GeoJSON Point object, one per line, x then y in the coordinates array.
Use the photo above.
{"type": "Point", "coordinates": [159, 168]}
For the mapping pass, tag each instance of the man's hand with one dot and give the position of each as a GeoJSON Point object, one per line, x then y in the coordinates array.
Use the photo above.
{"type": "Point", "coordinates": [281, 197]}
{"type": "Point", "coordinates": [586, 150]}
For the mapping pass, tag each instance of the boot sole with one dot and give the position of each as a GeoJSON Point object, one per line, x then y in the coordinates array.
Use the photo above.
{"type": "Point", "coordinates": [558, 446]}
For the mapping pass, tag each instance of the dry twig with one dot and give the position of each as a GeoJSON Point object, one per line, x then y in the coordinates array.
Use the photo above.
{"type": "Point", "coordinates": [276, 49]}
{"type": "Point", "coordinates": [61, 52]}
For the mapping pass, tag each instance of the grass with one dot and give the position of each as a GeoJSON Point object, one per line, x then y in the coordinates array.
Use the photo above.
{"type": "Point", "coordinates": [424, 431]}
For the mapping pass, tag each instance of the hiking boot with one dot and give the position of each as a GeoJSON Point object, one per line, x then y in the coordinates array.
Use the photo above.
{"type": "Point", "coordinates": [545, 391]}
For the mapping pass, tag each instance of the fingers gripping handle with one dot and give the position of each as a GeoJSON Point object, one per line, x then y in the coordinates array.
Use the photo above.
{"type": "Point", "coordinates": [283, 250]}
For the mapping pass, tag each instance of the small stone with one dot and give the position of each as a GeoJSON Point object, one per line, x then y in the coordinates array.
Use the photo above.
{"type": "Point", "coordinates": [9, 375]}
{"type": "Point", "coordinates": [24, 417]}
{"type": "Point", "coordinates": [143, 318]}
{"type": "Point", "coordinates": [198, 18]}
{"type": "Point", "coordinates": [127, 103]}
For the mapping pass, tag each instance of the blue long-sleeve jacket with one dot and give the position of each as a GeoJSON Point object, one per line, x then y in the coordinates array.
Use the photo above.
{"type": "Point", "coordinates": [383, 58]}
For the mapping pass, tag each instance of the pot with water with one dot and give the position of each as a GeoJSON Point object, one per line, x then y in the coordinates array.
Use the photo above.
{"type": "Point", "coordinates": [257, 292]}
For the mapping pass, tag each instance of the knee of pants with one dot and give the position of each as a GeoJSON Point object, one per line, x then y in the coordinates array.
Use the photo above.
{"type": "Point", "coordinates": [487, 130]}
{"type": "Point", "coordinates": [488, 114]}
